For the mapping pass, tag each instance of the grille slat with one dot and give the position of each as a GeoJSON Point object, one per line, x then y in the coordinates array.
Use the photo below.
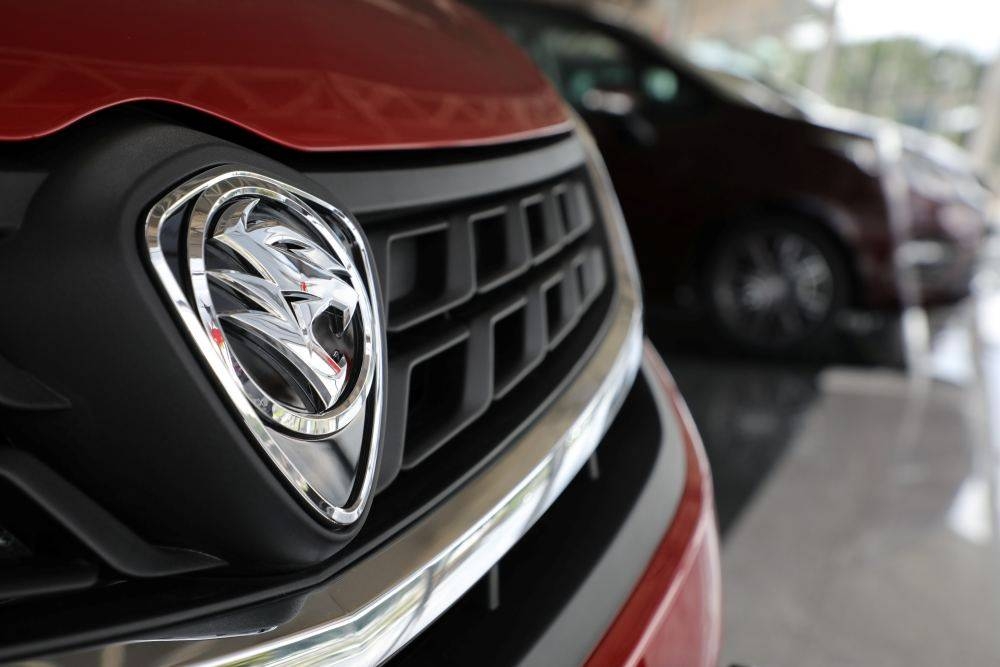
{"type": "Point", "coordinates": [445, 390]}
{"type": "Point", "coordinates": [502, 248]}
{"type": "Point", "coordinates": [526, 329]}
{"type": "Point", "coordinates": [544, 228]}
{"type": "Point", "coordinates": [575, 211]}
{"type": "Point", "coordinates": [429, 269]}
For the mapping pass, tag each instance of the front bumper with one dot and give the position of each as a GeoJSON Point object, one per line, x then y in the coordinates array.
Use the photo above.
{"type": "Point", "coordinates": [651, 597]}
{"type": "Point", "coordinates": [399, 593]}
{"type": "Point", "coordinates": [673, 616]}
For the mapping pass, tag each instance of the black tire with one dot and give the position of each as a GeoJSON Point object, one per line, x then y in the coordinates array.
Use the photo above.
{"type": "Point", "coordinates": [775, 286]}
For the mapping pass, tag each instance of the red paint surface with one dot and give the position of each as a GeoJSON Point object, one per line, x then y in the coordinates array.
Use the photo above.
{"type": "Point", "coordinates": [311, 75]}
{"type": "Point", "coordinates": [673, 616]}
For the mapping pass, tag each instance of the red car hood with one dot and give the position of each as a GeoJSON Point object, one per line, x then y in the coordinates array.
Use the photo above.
{"type": "Point", "coordinates": [312, 75]}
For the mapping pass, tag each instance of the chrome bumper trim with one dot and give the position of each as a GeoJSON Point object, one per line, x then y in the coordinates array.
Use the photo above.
{"type": "Point", "coordinates": [366, 614]}
{"type": "Point", "coordinates": [393, 595]}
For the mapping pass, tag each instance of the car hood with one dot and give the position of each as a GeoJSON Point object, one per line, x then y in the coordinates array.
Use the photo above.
{"type": "Point", "coordinates": [314, 75]}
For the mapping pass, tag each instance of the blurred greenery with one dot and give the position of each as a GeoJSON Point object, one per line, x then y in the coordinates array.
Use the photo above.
{"type": "Point", "coordinates": [901, 78]}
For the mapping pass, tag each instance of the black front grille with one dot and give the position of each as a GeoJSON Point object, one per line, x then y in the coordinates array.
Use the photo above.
{"type": "Point", "coordinates": [491, 303]}
{"type": "Point", "coordinates": [478, 294]}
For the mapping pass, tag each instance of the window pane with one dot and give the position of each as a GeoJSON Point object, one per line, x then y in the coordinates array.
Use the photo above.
{"type": "Point", "coordinates": [585, 60]}
{"type": "Point", "coordinates": [660, 85]}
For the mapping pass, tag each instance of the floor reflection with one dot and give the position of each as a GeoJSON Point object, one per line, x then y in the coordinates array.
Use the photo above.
{"type": "Point", "coordinates": [748, 410]}
{"type": "Point", "coordinates": [859, 494]}
{"type": "Point", "coordinates": [746, 413]}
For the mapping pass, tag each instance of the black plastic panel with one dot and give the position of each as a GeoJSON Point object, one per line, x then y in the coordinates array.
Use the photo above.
{"type": "Point", "coordinates": [112, 542]}
{"type": "Point", "coordinates": [146, 434]}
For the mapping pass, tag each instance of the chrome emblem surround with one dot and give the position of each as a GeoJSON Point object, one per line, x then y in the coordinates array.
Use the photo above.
{"type": "Point", "coordinates": [296, 281]}
{"type": "Point", "coordinates": [296, 261]}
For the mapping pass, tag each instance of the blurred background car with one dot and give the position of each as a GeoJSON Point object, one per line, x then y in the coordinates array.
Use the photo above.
{"type": "Point", "coordinates": [769, 218]}
{"type": "Point", "coordinates": [948, 207]}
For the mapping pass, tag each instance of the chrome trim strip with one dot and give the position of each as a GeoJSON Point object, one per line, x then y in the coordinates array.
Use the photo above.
{"type": "Point", "coordinates": [608, 586]}
{"type": "Point", "coordinates": [366, 614]}
{"type": "Point", "coordinates": [390, 597]}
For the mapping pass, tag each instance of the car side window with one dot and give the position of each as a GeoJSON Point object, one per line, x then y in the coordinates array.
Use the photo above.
{"type": "Point", "coordinates": [591, 68]}
{"type": "Point", "coordinates": [660, 85]}
{"type": "Point", "coordinates": [580, 61]}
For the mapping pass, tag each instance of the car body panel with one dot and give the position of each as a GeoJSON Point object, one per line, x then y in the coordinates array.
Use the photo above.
{"type": "Point", "coordinates": [326, 76]}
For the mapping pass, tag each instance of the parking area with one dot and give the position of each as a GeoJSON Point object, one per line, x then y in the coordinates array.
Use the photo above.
{"type": "Point", "coordinates": [858, 497]}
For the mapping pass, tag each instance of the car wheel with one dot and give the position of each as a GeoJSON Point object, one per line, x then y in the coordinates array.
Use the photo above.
{"type": "Point", "coordinates": [776, 287]}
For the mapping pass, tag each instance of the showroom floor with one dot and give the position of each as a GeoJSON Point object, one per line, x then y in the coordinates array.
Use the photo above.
{"type": "Point", "coordinates": [860, 499]}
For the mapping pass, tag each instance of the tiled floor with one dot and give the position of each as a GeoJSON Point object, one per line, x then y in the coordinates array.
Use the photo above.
{"type": "Point", "coordinates": [861, 503]}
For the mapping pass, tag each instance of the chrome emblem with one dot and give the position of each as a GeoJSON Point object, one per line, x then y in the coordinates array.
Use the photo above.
{"type": "Point", "coordinates": [277, 289]}
{"type": "Point", "coordinates": [294, 283]}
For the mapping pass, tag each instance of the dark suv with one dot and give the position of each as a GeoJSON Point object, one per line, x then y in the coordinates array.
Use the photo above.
{"type": "Point", "coordinates": [773, 220]}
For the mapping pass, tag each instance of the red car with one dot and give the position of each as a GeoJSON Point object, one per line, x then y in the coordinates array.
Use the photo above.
{"type": "Point", "coordinates": [322, 344]}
